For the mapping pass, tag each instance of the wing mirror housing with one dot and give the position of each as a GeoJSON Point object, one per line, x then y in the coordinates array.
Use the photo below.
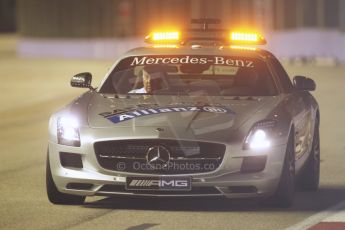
{"type": "Point", "coordinates": [303, 83]}
{"type": "Point", "coordinates": [82, 80]}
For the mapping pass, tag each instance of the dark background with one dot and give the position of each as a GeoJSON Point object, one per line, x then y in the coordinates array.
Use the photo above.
{"type": "Point", "coordinates": [118, 18]}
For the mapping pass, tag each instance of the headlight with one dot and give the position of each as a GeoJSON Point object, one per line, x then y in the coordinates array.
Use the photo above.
{"type": "Point", "coordinates": [259, 140]}
{"type": "Point", "coordinates": [259, 136]}
{"type": "Point", "coordinates": [68, 131]}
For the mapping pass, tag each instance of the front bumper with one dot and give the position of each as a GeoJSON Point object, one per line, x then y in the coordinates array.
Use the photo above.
{"type": "Point", "coordinates": [227, 181]}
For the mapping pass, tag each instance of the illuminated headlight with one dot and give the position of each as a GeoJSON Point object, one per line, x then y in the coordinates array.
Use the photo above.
{"type": "Point", "coordinates": [259, 136]}
{"type": "Point", "coordinates": [68, 131]}
{"type": "Point", "coordinates": [259, 140]}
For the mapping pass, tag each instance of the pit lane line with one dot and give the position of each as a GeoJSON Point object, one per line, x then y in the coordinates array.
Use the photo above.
{"type": "Point", "coordinates": [335, 213]}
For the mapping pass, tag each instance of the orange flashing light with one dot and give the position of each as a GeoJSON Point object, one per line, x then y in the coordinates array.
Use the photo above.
{"type": "Point", "coordinates": [166, 36]}
{"type": "Point", "coordinates": [165, 46]}
{"type": "Point", "coordinates": [243, 48]}
{"type": "Point", "coordinates": [246, 38]}
{"type": "Point", "coordinates": [163, 37]}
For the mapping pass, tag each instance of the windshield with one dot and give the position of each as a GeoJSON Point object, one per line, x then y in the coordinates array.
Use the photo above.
{"type": "Point", "coordinates": [190, 75]}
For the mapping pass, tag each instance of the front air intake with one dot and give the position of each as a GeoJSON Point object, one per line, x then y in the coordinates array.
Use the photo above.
{"type": "Point", "coordinates": [79, 186]}
{"type": "Point", "coordinates": [71, 160]}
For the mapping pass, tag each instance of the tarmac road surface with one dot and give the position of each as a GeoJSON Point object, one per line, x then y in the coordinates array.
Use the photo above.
{"type": "Point", "coordinates": [32, 89]}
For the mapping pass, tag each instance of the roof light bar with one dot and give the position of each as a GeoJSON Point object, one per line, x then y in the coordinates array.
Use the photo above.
{"type": "Point", "coordinates": [243, 47]}
{"type": "Point", "coordinates": [165, 46]}
{"type": "Point", "coordinates": [174, 37]}
{"type": "Point", "coordinates": [163, 37]}
{"type": "Point", "coordinates": [246, 38]}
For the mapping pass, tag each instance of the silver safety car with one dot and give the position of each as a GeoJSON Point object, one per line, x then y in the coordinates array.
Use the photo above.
{"type": "Point", "coordinates": [196, 113]}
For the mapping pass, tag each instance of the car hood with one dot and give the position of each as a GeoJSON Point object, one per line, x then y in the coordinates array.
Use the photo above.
{"type": "Point", "coordinates": [202, 114]}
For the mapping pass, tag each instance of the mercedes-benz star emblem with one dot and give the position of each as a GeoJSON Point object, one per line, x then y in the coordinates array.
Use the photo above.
{"type": "Point", "coordinates": [158, 155]}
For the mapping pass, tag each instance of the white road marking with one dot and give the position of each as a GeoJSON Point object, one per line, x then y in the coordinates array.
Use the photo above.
{"type": "Point", "coordinates": [337, 217]}
{"type": "Point", "coordinates": [334, 213]}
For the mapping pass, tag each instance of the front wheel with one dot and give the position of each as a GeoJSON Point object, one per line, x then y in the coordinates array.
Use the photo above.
{"type": "Point", "coordinates": [310, 177]}
{"type": "Point", "coordinates": [285, 193]}
{"type": "Point", "coordinates": [54, 195]}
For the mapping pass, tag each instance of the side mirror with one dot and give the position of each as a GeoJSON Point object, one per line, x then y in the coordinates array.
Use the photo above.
{"type": "Point", "coordinates": [303, 83]}
{"type": "Point", "coordinates": [82, 80]}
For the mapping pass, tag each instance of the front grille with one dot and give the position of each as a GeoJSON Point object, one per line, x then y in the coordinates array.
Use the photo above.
{"type": "Point", "coordinates": [185, 156]}
{"type": "Point", "coordinates": [195, 191]}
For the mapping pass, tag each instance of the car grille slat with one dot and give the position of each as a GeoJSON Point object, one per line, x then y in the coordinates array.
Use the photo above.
{"type": "Point", "coordinates": [194, 156]}
{"type": "Point", "coordinates": [195, 191]}
{"type": "Point", "coordinates": [120, 157]}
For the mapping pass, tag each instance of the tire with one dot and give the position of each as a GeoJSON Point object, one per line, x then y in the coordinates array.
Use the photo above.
{"type": "Point", "coordinates": [285, 193]}
{"type": "Point", "coordinates": [310, 177]}
{"type": "Point", "coordinates": [57, 197]}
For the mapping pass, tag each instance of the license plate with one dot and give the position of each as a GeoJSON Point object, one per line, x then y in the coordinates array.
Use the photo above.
{"type": "Point", "coordinates": [159, 183]}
